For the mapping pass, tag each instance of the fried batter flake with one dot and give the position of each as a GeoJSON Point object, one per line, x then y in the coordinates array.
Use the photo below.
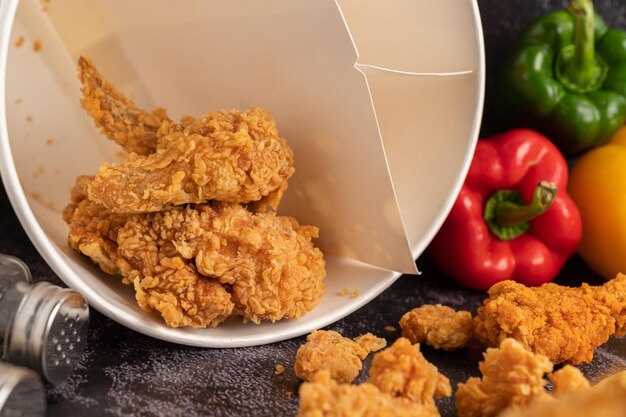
{"type": "Point", "coordinates": [402, 371]}
{"type": "Point", "coordinates": [329, 350]}
{"type": "Point", "coordinates": [438, 326]}
{"type": "Point", "coordinates": [324, 397]}
{"type": "Point", "coordinates": [565, 324]}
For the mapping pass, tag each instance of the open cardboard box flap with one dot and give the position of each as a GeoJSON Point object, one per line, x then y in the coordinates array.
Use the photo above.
{"type": "Point", "coordinates": [358, 136]}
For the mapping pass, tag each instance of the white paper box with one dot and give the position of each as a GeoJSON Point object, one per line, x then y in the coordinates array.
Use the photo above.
{"type": "Point", "coordinates": [382, 137]}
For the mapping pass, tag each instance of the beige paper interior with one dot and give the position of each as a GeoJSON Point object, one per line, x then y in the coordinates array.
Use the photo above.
{"type": "Point", "coordinates": [294, 57]}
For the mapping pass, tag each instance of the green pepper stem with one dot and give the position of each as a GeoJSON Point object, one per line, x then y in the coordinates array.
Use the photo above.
{"type": "Point", "coordinates": [509, 213]}
{"type": "Point", "coordinates": [581, 69]}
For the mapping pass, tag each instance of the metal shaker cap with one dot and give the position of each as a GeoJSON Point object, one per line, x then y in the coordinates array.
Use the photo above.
{"type": "Point", "coordinates": [21, 393]}
{"type": "Point", "coordinates": [49, 330]}
{"type": "Point", "coordinates": [12, 270]}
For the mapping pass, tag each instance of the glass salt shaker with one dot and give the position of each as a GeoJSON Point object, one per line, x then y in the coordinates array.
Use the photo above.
{"type": "Point", "coordinates": [42, 326]}
{"type": "Point", "coordinates": [21, 392]}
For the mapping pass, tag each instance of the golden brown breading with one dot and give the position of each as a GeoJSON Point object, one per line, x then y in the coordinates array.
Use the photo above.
{"type": "Point", "coordinates": [329, 350]}
{"type": "Point", "coordinates": [268, 262]}
{"type": "Point", "coordinates": [370, 342]}
{"type": "Point", "coordinates": [568, 379]}
{"type": "Point", "coordinates": [512, 375]}
{"type": "Point", "coordinates": [93, 229]}
{"type": "Point", "coordinates": [606, 399]}
{"type": "Point", "coordinates": [233, 157]}
{"type": "Point", "coordinates": [325, 398]}
{"type": "Point", "coordinates": [402, 371]}
{"type": "Point", "coordinates": [116, 115]}
{"type": "Point", "coordinates": [565, 324]}
{"type": "Point", "coordinates": [438, 326]}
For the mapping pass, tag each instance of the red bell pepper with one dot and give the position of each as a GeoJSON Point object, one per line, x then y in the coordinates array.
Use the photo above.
{"type": "Point", "coordinates": [509, 222]}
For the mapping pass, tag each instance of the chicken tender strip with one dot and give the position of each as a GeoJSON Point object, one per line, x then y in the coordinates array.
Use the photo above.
{"type": "Point", "coordinates": [268, 262]}
{"type": "Point", "coordinates": [324, 397]}
{"type": "Point", "coordinates": [232, 157]}
{"type": "Point", "coordinates": [116, 115]}
{"type": "Point", "coordinates": [92, 228]}
{"type": "Point", "coordinates": [565, 324]}
{"type": "Point", "coordinates": [438, 326]}
{"type": "Point", "coordinates": [402, 371]}
{"type": "Point", "coordinates": [329, 350]}
{"type": "Point", "coordinates": [606, 399]}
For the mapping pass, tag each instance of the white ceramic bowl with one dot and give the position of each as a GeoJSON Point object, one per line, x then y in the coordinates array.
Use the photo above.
{"type": "Point", "coordinates": [41, 154]}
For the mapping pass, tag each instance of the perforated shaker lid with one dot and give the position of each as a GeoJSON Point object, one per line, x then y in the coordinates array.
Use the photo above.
{"type": "Point", "coordinates": [49, 331]}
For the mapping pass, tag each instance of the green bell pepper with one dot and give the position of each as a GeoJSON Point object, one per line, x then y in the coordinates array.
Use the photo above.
{"type": "Point", "coordinates": [567, 78]}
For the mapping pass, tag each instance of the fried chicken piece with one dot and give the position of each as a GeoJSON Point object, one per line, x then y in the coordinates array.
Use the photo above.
{"type": "Point", "coordinates": [438, 326]}
{"type": "Point", "coordinates": [568, 379]}
{"type": "Point", "coordinates": [565, 324]}
{"type": "Point", "coordinates": [324, 397]}
{"type": "Point", "coordinates": [92, 228]}
{"type": "Point", "coordinates": [116, 115]}
{"type": "Point", "coordinates": [329, 350]}
{"type": "Point", "coordinates": [402, 371]}
{"type": "Point", "coordinates": [268, 262]}
{"type": "Point", "coordinates": [233, 157]}
{"type": "Point", "coordinates": [606, 399]}
{"type": "Point", "coordinates": [512, 375]}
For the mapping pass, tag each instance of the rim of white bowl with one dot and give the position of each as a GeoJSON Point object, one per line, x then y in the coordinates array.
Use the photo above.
{"type": "Point", "coordinates": [54, 259]}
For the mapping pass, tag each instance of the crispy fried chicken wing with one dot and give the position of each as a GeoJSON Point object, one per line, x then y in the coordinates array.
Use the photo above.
{"type": "Point", "coordinates": [233, 157]}
{"type": "Point", "coordinates": [512, 375]}
{"type": "Point", "coordinates": [324, 397]}
{"type": "Point", "coordinates": [402, 371]}
{"type": "Point", "coordinates": [117, 116]}
{"type": "Point", "coordinates": [93, 228]}
{"type": "Point", "coordinates": [329, 350]}
{"type": "Point", "coordinates": [438, 326]}
{"type": "Point", "coordinates": [267, 262]}
{"type": "Point", "coordinates": [565, 324]}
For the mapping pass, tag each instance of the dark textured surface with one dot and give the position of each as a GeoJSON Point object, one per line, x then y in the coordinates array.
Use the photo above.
{"type": "Point", "coordinates": [125, 373]}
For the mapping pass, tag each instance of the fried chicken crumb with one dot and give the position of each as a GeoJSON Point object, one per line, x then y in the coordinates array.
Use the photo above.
{"type": "Point", "coordinates": [49, 141]}
{"type": "Point", "coordinates": [511, 376]}
{"type": "Point", "coordinates": [37, 45]}
{"type": "Point", "coordinates": [19, 42]}
{"type": "Point", "coordinates": [370, 342]}
{"type": "Point", "coordinates": [402, 371]}
{"type": "Point", "coordinates": [565, 324]}
{"type": "Point", "coordinates": [606, 399]}
{"type": "Point", "coordinates": [568, 379]}
{"type": "Point", "coordinates": [280, 369]}
{"type": "Point", "coordinates": [347, 293]}
{"type": "Point", "coordinates": [18, 101]}
{"type": "Point", "coordinates": [324, 397]}
{"type": "Point", "coordinates": [438, 326]}
{"type": "Point", "coordinates": [29, 119]}
{"type": "Point", "coordinates": [329, 350]}
{"type": "Point", "coordinates": [288, 393]}
{"type": "Point", "coordinates": [390, 328]}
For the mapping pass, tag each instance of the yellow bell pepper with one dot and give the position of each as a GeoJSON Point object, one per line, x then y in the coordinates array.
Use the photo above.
{"type": "Point", "coordinates": [598, 187]}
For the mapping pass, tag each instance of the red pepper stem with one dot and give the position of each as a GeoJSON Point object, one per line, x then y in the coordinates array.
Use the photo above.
{"type": "Point", "coordinates": [580, 69]}
{"type": "Point", "coordinates": [509, 213]}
